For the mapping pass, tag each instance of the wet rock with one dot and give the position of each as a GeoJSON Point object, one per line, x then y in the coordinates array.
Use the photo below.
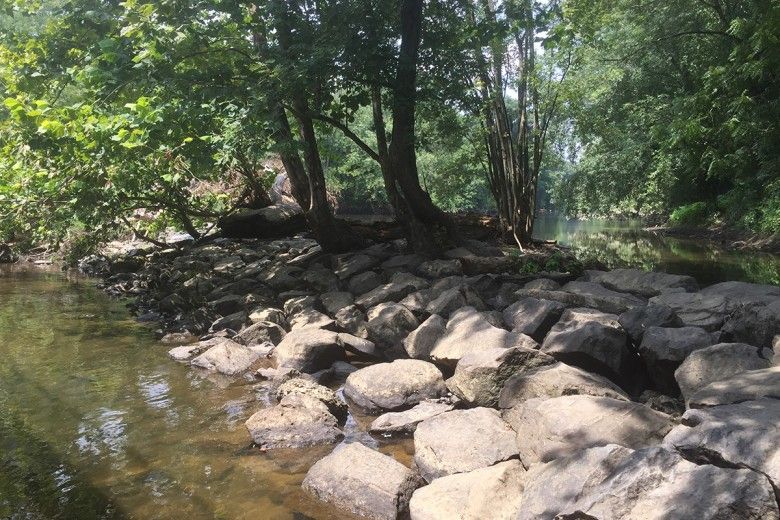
{"type": "Point", "coordinates": [593, 341]}
{"type": "Point", "coordinates": [440, 268]}
{"type": "Point", "coordinates": [719, 362]}
{"type": "Point", "coordinates": [744, 386]}
{"type": "Point", "coordinates": [635, 321]}
{"type": "Point", "coordinates": [309, 349]}
{"type": "Point", "coordinates": [419, 343]}
{"type": "Point", "coordinates": [392, 386]}
{"type": "Point", "coordinates": [389, 323]}
{"type": "Point", "coordinates": [460, 441]}
{"type": "Point", "coordinates": [227, 357]}
{"type": "Point", "coordinates": [533, 317]}
{"type": "Point", "coordinates": [642, 283]}
{"type": "Point", "coordinates": [757, 324]}
{"type": "Point", "coordinates": [480, 375]}
{"type": "Point", "coordinates": [364, 282]}
{"type": "Point", "coordinates": [494, 492]}
{"type": "Point", "coordinates": [664, 349]}
{"type": "Point", "coordinates": [307, 387]}
{"type": "Point", "coordinates": [741, 435]}
{"type": "Point", "coordinates": [468, 330]}
{"type": "Point", "coordinates": [362, 481]}
{"type": "Point", "coordinates": [599, 297]}
{"type": "Point", "coordinates": [261, 332]}
{"type": "Point", "coordinates": [616, 483]}
{"type": "Point", "coordinates": [558, 427]}
{"type": "Point", "coordinates": [296, 422]}
{"type": "Point", "coordinates": [698, 309]}
{"type": "Point", "coordinates": [388, 292]}
{"type": "Point", "coordinates": [401, 423]}
{"type": "Point", "coordinates": [556, 380]}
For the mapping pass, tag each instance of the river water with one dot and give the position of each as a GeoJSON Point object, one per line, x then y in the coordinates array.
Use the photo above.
{"type": "Point", "coordinates": [97, 423]}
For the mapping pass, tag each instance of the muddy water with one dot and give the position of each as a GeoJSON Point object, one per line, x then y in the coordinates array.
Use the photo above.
{"type": "Point", "coordinates": [97, 422]}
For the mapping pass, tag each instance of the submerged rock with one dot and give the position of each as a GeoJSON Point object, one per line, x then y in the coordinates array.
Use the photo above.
{"type": "Point", "coordinates": [362, 481]}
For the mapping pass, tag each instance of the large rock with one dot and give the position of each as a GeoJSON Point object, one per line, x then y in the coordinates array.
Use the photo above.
{"type": "Point", "coordinates": [400, 423]}
{"type": "Point", "coordinates": [594, 341]}
{"type": "Point", "coordinates": [663, 349]}
{"type": "Point", "coordinates": [745, 435]}
{"type": "Point", "coordinates": [461, 441]}
{"type": "Point", "coordinates": [756, 324]}
{"type": "Point", "coordinates": [637, 320]}
{"type": "Point", "coordinates": [276, 221]}
{"type": "Point", "coordinates": [362, 481]}
{"type": "Point", "coordinates": [453, 299]}
{"type": "Point", "coordinates": [392, 291]}
{"type": "Point", "coordinates": [297, 421]}
{"type": "Point", "coordinates": [698, 309]}
{"type": "Point", "coordinates": [309, 349]}
{"type": "Point", "coordinates": [227, 357]}
{"type": "Point", "coordinates": [353, 320]}
{"type": "Point", "coordinates": [533, 317]}
{"type": "Point", "coordinates": [420, 342]}
{"type": "Point", "coordinates": [346, 266]}
{"type": "Point", "coordinates": [606, 300]}
{"type": "Point", "coordinates": [335, 301]}
{"type": "Point", "coordinates": [551, 428]}
{"type": "Point", "coordinates": [467, 331]}
{"type": "Point", "coordinates": [744, 386]}
{"type": "Point", "coordinates": [495, 492]}
{"type": "Point", "coordinates": [480, 375]}
{"type": "Point", "coordinates": [364, 282]}
{"type": "Point", "coordinates": [261, 332]}
{"type": "Point", "coordinates": [307, 387]}
{"type": "Point", "coordinates": [643, 283]}
{"type": "Point", "coordinates": [391, 386]}
{"type": "Point", "coordinates": [616, 483]}
{"type": "Point", "coordinates": [556, 380]}
{"type": "Point", "coordinates": [718, 362]}
{"type": "Point", "coordinates": [389, 323]}
{"type": "Point", "coordinates": [744, 293]}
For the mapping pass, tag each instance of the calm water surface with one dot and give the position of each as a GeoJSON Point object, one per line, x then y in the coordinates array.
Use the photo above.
{"type": "Point", "coordinates": [97, 422]}
{"type": "Point", "coordinates": [626, 244]}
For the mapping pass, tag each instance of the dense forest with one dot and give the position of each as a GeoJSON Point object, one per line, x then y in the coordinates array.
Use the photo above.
{"type": "Point", "coordinates": [130, 116]}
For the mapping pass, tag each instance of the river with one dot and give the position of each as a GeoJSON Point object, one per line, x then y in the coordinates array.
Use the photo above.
{"type": "Point", "coordinates": [97, 423]}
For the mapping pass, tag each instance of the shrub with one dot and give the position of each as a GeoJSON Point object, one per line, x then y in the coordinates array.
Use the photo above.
{"type": "Point", "coordinates": [694, 214]}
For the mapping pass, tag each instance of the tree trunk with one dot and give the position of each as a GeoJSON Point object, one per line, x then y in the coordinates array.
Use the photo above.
{"type": "Point", "coordinates": [414, 207]}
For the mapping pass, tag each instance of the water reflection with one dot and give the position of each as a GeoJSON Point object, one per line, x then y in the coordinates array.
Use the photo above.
{"type": "Point", "coordinates": [626, 244]}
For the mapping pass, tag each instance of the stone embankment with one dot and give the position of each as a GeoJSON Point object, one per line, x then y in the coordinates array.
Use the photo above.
{"type": "Point", "coordinates": [609, 395]}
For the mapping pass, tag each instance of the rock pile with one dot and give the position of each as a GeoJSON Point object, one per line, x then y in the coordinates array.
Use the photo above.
{"type": "Point", "coordinates": [540, 396]}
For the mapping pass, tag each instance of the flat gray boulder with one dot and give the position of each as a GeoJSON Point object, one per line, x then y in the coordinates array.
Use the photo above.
{"type": "Point", "coordinates": [606, 300]}
{"type": "Point", "coordinates": [363, 481]}
{"type": "Point", "coordinates": [643, 283]}
{"type": "Point", "coordinates": [745, 435]}
{"type": "Point", "coordinates": [591, 340]}
{"type": "Point", "coordinates": [744, 386]}
{"type": "Point", "coordinates": [556, 380]}
{"type": "Point", "coordinates": [297, 421]}
{"type": "Point", "coordinates": [494, 492]}
{"type": "Point", "coordinates": [480, 375]}
{"type": "Point", "coordinates": [469, 330]}
{"type": "Point", "coordinates": [637, 320]}
{"type": "Point", "coordinates": [392, 386]}
{"type": "Point", "coordinates": [450, 300]}
{"type": "Point", "coordinates": [461, 441]}
{"type": "Point", "coordinates": [663, 349]}
{"type": "Point", "coordinates": [401, 423]}
{"type": "Point", "coordinates": [558, 427]}
{"type": "Point", "coordinates": [309, 349]}
{"type": "Point", "coordinates": [392, 291]}
{"type": "Point", "coordinates": [707, 311]}
{"type": "Point", "coordinates": [533, 317]}
{"type": "Point", "coordinates": [616, 483]}
{"type": "Point", "coordinates": [717, 362]}
{"type": "Point", "coordinates": [227, 357]}
{"type": "Point", "coordinates": [744, 293]}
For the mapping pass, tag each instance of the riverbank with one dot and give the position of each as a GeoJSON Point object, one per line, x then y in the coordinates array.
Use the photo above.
{"type": "Point", "coordinates": [506, 372]}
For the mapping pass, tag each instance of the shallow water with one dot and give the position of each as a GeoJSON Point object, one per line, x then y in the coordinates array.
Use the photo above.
{"type": "Point", "coordinates": [97, 422]}
{"type": "Point", "coordinates": [627, 244]}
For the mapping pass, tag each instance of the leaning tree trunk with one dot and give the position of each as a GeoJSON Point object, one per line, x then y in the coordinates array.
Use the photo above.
{"type": "Point", "coordinates": [414, 208]}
